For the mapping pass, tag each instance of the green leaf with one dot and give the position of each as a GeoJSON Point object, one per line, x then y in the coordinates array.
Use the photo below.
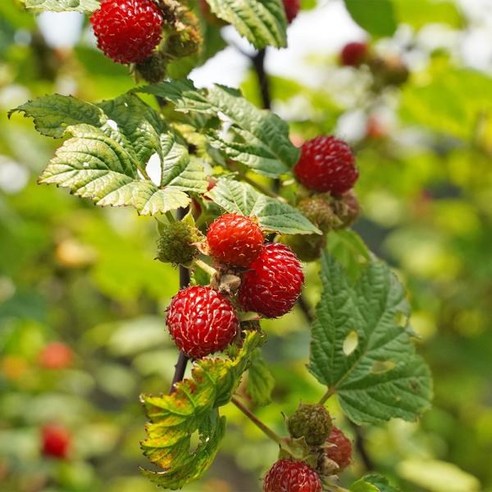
{"type": "Point", "coordinates": [260, 381]}
{"type": "Point", "coordinates": [255, 137]}
{"type": "Point", "coordinates": [262, 23]}
{"type": "Point", "coordinates": [419, 13]}
{"type": "Point", "coordinates": [373, 483]}
{"type": "Point", "coordinates": [272, 214]}
{"type": "Point", "coordinates": [129, 117]}
{"type": "Point", "coordinates": [362, 345]}
{"type": "Point", "coordinates": [111, 146]}
{"type": "Point", "coordinates": [53, 114]}
{"type": "Point", "coordinates": [190, 413]}
{"type": "Point", "coordinates": [348, 248]}
{"type": "Point", "coordinates": [92, 165]}
{"type": "Point", "coordinates": [437, 476]}
{"type": "Point", "coordinates": [453, 103]}
{"type": "Point", "coordinates": [375, 16]}
{"type": "Point", "coordinates": [62, 5]}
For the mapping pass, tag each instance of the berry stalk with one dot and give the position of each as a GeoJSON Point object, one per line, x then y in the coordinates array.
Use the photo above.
{"type": "Point", "coordinates": [264, 428]}
{"type": "Point", "coordinates": [184, 280]}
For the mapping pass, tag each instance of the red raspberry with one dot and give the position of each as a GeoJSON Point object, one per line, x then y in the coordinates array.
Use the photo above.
{"type": "Point", "coordinates": [273, 283]}
{"type": "Point", "coordinates": [339, 448]}
{"type": "Point", "coordinates": [55, 355]}
{"type": "Point", "coordinates": [291, 9]}
{"type": "Point", "coordinates": [291, 476]}
{"type": "Point", "coordinates": [201, 321]}
{"type": "Point", "coordinates": [326, 164]}
{"type": "Point", "coordinates": [127, 31]}
{"type": "Point", "coordinates": [55, 441]}
{"type": "Point", "coordinates": [234, 239]}
{"type": "Point", "coordinates": [353, 54]}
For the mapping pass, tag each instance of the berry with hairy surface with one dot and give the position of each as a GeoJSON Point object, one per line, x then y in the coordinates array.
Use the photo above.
{"type": "Point", "coordinates": [273, 282]}
{"type": "Point", "coordinates": [326, 164]}
{"type": "Point", "coordinates": [176, 243]}
{"type": "Point", "coordinates": [201, 321]}
{"type": "Point", "coordinates": [319, 211]}
{"type": "Point", "coordinates": [127, 31]}
{"type": "Point", "coordinates": [311, 421]}
{"type": "Point", "coordinates": [234, 240]}
{"type": "Point", "coordinates": [291, 476]}
{"type": "Point", "coordinates": [338, 448]}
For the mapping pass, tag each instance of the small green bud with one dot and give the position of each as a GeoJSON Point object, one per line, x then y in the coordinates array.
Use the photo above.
{"type": "Point", "coordinates": [313, 422]}
{"type": "Point", "coordinates": [307, 247]}
{"type": "Point", "coordinates": [176, 243]}
{"type": "Point", "coordinates": [153, 69]}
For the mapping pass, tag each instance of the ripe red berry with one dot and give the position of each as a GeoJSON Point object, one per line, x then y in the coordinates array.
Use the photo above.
{"type": "Point", "coordinates": [127, 31]}
{"type": "Point", "coordinates": [326, 164]}
{"type": "Point", "coordinates": [234, 239]}
{"type": "Point", "coordinates": [339, 448]}
{"type": "Point", "coordinates": [201, 321]}
{"type": "Point", "coordinates": [273, 282]}
{"type": "Point", "coordinates": [291, 476]}
{"type": "Point", "coordinates": [291, 9]}
{"type": "Point", "coordinates": [353, 54]}
{"type": "Point", "coordinates": [55, 441]}
{"type": "Point", "coordinates": [55, 355]}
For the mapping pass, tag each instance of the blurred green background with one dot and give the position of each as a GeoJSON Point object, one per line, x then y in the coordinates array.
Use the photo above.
{"type": "Point", "coordinates": [85, 277]}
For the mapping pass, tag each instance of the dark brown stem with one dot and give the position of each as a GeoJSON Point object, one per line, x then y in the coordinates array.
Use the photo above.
{"type": "Point", "coordinates": [302, 303]}
{"type": "Point", "coordinates": [360, 445]}
{"type": "Point", "coordinates": [258, 61]}
{"type": "Point", "coordinates": [184, 280]}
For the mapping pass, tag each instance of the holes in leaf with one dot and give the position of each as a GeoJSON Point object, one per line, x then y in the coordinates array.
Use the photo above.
{"type": "Point", "coordinates": [382, 366]}
{"type": "Point", "coordinates": [153, 168]}
{"type": "Point", "coordinates": [401, 319]}
{"type": "Point", "coordinates": [350, 343]}
{"type": "Point", "coordinates": [194, 441]}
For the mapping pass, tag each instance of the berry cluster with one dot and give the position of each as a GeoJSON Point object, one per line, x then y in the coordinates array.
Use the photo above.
{"type": "Point", "coordinates": [327, 452]}
{"type": "Point", "coordinates": [203, 319]}
{"type": "Point", "coordinates": [386, 70]}
{"type": "Point", "coordinates": [326, 168]}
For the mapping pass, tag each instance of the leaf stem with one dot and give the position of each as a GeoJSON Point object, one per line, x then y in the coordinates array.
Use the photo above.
{"type": "Point", "coordinates": [329, 393]}
{"type": "Point", "coordinates": [184, 280]}
{"type": "Point", "coordinates": [206, 267]}
{"type": "Point", "coordinates": [272, 435]}
{"type": "Point", "coordinates": [262, 188]}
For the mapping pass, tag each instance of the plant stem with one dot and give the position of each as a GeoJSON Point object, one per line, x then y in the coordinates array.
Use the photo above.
{"type": "Point", "coordinates": [184, 280]}
{"type": "Point", "coordinates": [361, 448]}
{"type": "Point", "coordinates": [306, 310]}
{"type": "Point", "coordinates": [206, 267]}
{"type": "Point", "coordinates": [262, 189]}
{"type": "Point", "coordinates": [329, 393]}
{"type": "Point", "coordinates": [272, 435]}
{"type": "Point", "coordinates": [258, 61]}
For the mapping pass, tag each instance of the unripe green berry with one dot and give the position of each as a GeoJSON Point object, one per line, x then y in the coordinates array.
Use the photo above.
{"type": "Point", "coordinates": [176, 243]}
{"type": "Point", "coordinates": [307, 247]}
{"type": "Point", "coordinates": [313, 422]}
{"type": "Point", "coordinates": [152, 69]}
{"type": "Point", "coordinates": [319, 211]}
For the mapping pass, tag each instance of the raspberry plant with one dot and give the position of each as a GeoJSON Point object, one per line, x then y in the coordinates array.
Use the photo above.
{"type": "Point", "coordinates": [236, 243]}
